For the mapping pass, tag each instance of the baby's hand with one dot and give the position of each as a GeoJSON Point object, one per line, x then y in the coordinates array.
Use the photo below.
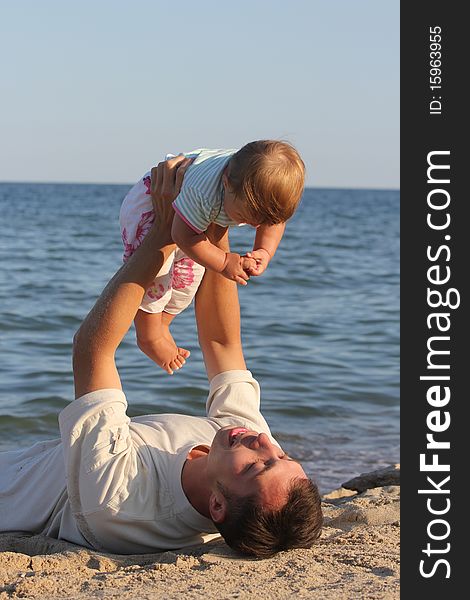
{"type": "Point", "coordinates": [248, 264]}
{"type": "Point", "coordinates": [261, 259]}
{"type": "Point", "coordinates": [233, 268]}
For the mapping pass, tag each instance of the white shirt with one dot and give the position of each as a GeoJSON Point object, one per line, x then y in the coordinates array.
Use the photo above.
{"type": "Point", "coordinates": [112, 483]}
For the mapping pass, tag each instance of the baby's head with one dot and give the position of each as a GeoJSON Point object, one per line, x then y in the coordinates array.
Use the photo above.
{"type": "Point", "coordinates": [264, 181]}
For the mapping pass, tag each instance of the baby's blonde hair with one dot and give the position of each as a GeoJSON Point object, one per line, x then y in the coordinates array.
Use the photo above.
{"type": "Point", "coordinates": [268, 177]}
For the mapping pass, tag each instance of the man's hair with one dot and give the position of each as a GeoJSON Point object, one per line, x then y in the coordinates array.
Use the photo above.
{"type": "Point", "coordinates": [268, 177]}
{"type": "Point", "coordinates": [254, 530]}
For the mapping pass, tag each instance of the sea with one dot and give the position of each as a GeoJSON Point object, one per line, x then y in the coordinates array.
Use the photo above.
{"type": "Point", "coordinates": [320, 327]}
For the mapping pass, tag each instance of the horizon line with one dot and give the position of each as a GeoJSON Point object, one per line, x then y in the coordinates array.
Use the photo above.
{"type": "Point", "coordinates": [323, 187]}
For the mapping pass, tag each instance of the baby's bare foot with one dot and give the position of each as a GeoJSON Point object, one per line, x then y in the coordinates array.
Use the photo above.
{"type": "Point", "coordinates": [182, 353]}
{"type": "Point", "coordinates": [165, 352]}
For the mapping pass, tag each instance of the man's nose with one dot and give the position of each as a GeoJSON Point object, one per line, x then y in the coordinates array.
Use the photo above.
{"type": "Point", "coordinates": [261, 441]}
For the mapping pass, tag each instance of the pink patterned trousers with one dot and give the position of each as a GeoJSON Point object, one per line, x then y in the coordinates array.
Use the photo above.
{"type": "Point", "coordinates": [176, 284]}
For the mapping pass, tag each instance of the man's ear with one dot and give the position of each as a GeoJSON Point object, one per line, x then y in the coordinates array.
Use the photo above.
{"type": "Point", "coordinates": [217, 507]}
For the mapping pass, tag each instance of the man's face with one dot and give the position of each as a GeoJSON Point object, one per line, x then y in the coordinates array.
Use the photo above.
{"type": "Point", "coordinates": [245, 462]}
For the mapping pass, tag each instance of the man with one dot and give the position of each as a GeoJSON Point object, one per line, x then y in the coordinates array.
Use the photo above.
{"type": "Point", "coordinates": [161, 481]}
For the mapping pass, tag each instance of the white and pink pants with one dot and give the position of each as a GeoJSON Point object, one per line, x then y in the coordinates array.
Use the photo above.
{"type": "Point", "coordinates": [176, 284]}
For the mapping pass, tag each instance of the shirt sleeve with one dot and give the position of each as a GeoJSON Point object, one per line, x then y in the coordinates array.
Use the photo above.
{"type": "Point", "coordinates": [193, 208]}
{"type": "Point", "coordinates": [236, 394]}
{"type": "Point", "coordinates": [99, 455]}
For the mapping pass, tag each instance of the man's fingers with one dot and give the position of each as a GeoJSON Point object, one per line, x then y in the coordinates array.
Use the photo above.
{"type": "Point", "coordinates": [180, 171]}
{"type": "Point", "coordinates": [169, 177]}
{"type": "Point", "coordinates": [156, 179]}
{"type": "Point", "coordinates": [175, 161]}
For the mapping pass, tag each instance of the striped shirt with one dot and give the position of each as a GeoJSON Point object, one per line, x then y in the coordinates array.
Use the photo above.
{"type": "Point", "coordinates": [201, 199]}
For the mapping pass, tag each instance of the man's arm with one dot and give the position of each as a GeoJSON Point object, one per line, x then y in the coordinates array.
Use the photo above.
{"type": "Point", "coordinates": [218, 317]}
{"type": "Point", "coordinates": [103, 329]}
{"type": "Point", "coordinates": [100, 334]}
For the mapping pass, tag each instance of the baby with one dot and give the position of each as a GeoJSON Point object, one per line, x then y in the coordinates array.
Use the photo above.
{"type": "Point", "coordinates": [260, 185]}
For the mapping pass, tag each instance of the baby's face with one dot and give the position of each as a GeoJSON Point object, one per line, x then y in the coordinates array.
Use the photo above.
{"type": "Point", "coordinates": [234, 207]}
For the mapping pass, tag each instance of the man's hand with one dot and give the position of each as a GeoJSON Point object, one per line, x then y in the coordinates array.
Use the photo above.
{"type": "Point", "coordinates": [233, 268]}
{"type": "Point", "coordinates": [261, 260]}
{"type": "Point", "coordinates": [166, 181]}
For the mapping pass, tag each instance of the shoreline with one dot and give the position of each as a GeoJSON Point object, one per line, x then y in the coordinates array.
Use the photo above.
{"type": "Point", "coordinates": [356, 556]}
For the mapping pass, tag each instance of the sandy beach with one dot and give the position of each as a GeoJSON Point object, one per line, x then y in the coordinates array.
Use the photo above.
{"type": "Point", "coordinates": [356, 557]}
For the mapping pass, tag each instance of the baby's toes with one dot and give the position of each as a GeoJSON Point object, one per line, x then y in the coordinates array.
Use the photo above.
{"type": "Point", "coordinates": [169, 368]}
{"type": "Point", "coordinates": [180, 361]}
{"type": "Point", "coordinates": [175, 364]}
{"type": "Point", "coordinates": [183, 353]}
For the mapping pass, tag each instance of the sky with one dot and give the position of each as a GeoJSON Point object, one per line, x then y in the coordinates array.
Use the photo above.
{"type": "Point", "coordinates": [100, 90]}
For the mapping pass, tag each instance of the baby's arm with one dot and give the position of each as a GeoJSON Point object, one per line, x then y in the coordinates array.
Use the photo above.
{"type": "Point", "coordinates": [198, 247]}
{"type": "Point", "coordinates": [267, 240]}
